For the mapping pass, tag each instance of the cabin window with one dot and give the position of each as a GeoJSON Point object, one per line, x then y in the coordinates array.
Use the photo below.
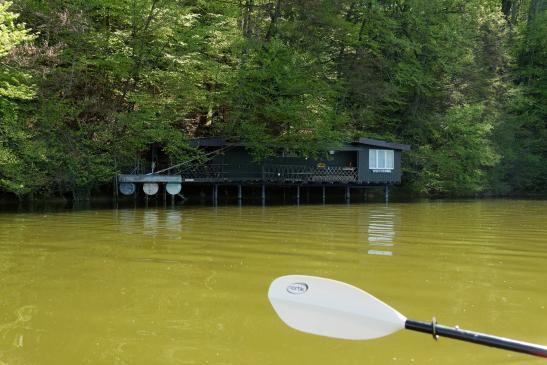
{"type": "Point", "coordinates": [381, 159]}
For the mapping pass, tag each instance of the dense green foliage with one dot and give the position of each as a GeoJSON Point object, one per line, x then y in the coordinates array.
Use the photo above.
{"type": "Point", "coordinates": [20, 155]}
{"type": "Point", "coordinates": [92, 88]}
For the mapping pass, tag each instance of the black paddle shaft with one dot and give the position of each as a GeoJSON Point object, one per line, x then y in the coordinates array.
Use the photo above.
{"type": "Point", "coordinates": [475, 337]}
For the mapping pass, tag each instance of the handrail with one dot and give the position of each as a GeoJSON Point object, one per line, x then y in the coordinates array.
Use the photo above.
{"type": "Point", "coordinates": [272, 173]}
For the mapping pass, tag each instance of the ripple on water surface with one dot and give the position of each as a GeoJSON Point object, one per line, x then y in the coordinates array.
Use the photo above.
{"type": "Point", "coordinates": [188, 285]}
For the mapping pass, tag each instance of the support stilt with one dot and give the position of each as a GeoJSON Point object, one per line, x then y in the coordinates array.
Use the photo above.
{"type": "Point", "coordinates": [298, 194]}
{"type": "Point", "coordinates": [386, 193]}
{"type": "Point", "coordinates": [116, 189]}
{"type": "Point", "coordinates": [215, 194]}
{"type": "Point", "coordinates": [324, 195]}
{"type": "Point", "coordinates": [348, 194]}
{"type": "Point", "coordinates": [263, 194]}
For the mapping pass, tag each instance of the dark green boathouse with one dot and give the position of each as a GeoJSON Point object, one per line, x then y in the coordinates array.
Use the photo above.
{"type": "Point", "coordinates": [362, 163]}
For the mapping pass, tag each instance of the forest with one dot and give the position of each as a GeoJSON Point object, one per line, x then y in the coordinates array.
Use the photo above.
{"type": "Point", "coordinates": [89, 87]}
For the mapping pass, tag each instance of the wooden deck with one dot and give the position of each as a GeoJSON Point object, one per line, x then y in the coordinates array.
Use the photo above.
{"type": "Point", "coordinates": [127, 178]}
{"type": "Point", "coordinates": [216, 175]}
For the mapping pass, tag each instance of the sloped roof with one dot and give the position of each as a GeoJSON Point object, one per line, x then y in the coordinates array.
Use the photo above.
{"type": "Point", "coordinates": [212, 142]}
{"type": "Point", "coordinates": [384, 144]}
{"type": "Point", "coordinates": [220, 142]}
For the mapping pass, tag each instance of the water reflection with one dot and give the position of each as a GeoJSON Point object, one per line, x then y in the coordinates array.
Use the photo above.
{"type": "Point", "coordinates": [173, 220]}
{"type": "Point", "coordinates": [173, 223]}
{"type": "Point", "coordinates": [381, 231]}
{"type": "Point", "coordinates": [150, 222]}
{"type": "Point", "coordinates": [127, 221]}
{"type": "Point", "coordinates": [380, 252]}
{"type": "Point", "coordinates": [107, 287]}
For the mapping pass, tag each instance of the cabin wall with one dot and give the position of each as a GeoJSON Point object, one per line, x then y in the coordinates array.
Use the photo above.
{"type": "Point", "coordinates": [237, 163]}
{"type": "Point", "coordinates": [338, 159]}
{"type": "Point", "coordinates": [239, 159]}
{"type": "Point", "coordinates": [368, 176]}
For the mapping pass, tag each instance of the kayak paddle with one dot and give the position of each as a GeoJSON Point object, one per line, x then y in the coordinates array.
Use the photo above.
{"type": "Point", "coordinates": [332, 308]}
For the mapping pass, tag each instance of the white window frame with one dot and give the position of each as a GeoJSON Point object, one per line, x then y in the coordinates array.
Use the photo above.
{"type": "Point", "coordinates": [389, 159]}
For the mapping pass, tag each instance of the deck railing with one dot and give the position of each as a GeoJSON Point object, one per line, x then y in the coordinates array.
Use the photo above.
{"type": "Point", "coordinates": [269, 173]}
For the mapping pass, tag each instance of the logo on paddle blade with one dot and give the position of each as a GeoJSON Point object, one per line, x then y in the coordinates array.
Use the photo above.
{"type": "Point", "coordinates": [297, 288]}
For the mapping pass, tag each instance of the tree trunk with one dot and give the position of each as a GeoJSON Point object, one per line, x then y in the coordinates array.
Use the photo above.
{"type": "Point", "coordinates": [247, 18]}
{"type": "Point", "coordinates": [273, 16]}
{"type": "Point", "coordinates": [506, 6]}
{"type": "Point", "coordinates": [536, 6]}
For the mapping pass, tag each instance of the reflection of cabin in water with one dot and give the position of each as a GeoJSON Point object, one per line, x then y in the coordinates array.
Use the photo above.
{"type": "Point", "coordinates": [365, 162]}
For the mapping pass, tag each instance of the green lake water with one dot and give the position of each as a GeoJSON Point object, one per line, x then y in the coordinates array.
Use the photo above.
{"type": "Point", "coordinates": [189, 285]}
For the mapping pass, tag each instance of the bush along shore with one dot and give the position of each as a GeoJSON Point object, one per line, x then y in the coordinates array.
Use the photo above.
{"type": "Point", "coordinates": [92, 89]}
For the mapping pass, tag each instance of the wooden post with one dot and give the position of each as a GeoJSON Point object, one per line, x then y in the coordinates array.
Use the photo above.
{"type": "Point", "coordinates": [348, 194]}
{"type": "Point", "coordinates": [386, 193]}
{"type": "Point", "coordinates": [215, 194]}
{"type": "Point", "coordinates": [263, 194]}
{"type": "Point", "coordinates": [172, 201]}
{"type": "Point", "coordinates": [324, 195]}
{"type": "Point", "coordinates": [239, 193]}
{"type": "Point", "coordinates": [116, 189]}
{"type": "Point", "coordinates": [164, 195]}
{"type": "Point", "coordinates": [298, 194]}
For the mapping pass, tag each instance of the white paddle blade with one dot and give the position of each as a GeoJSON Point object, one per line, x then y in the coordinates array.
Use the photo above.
{"type": "Point", "coordinates": [332, 308]}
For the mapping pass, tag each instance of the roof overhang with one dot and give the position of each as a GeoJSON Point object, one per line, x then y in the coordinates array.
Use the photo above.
{"type": "Point", "coordinates": [213, 142]}
{"type": "Point", "coordinates": [383, 144]}
{"type": "Point", "coordinates": [221, 142]}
